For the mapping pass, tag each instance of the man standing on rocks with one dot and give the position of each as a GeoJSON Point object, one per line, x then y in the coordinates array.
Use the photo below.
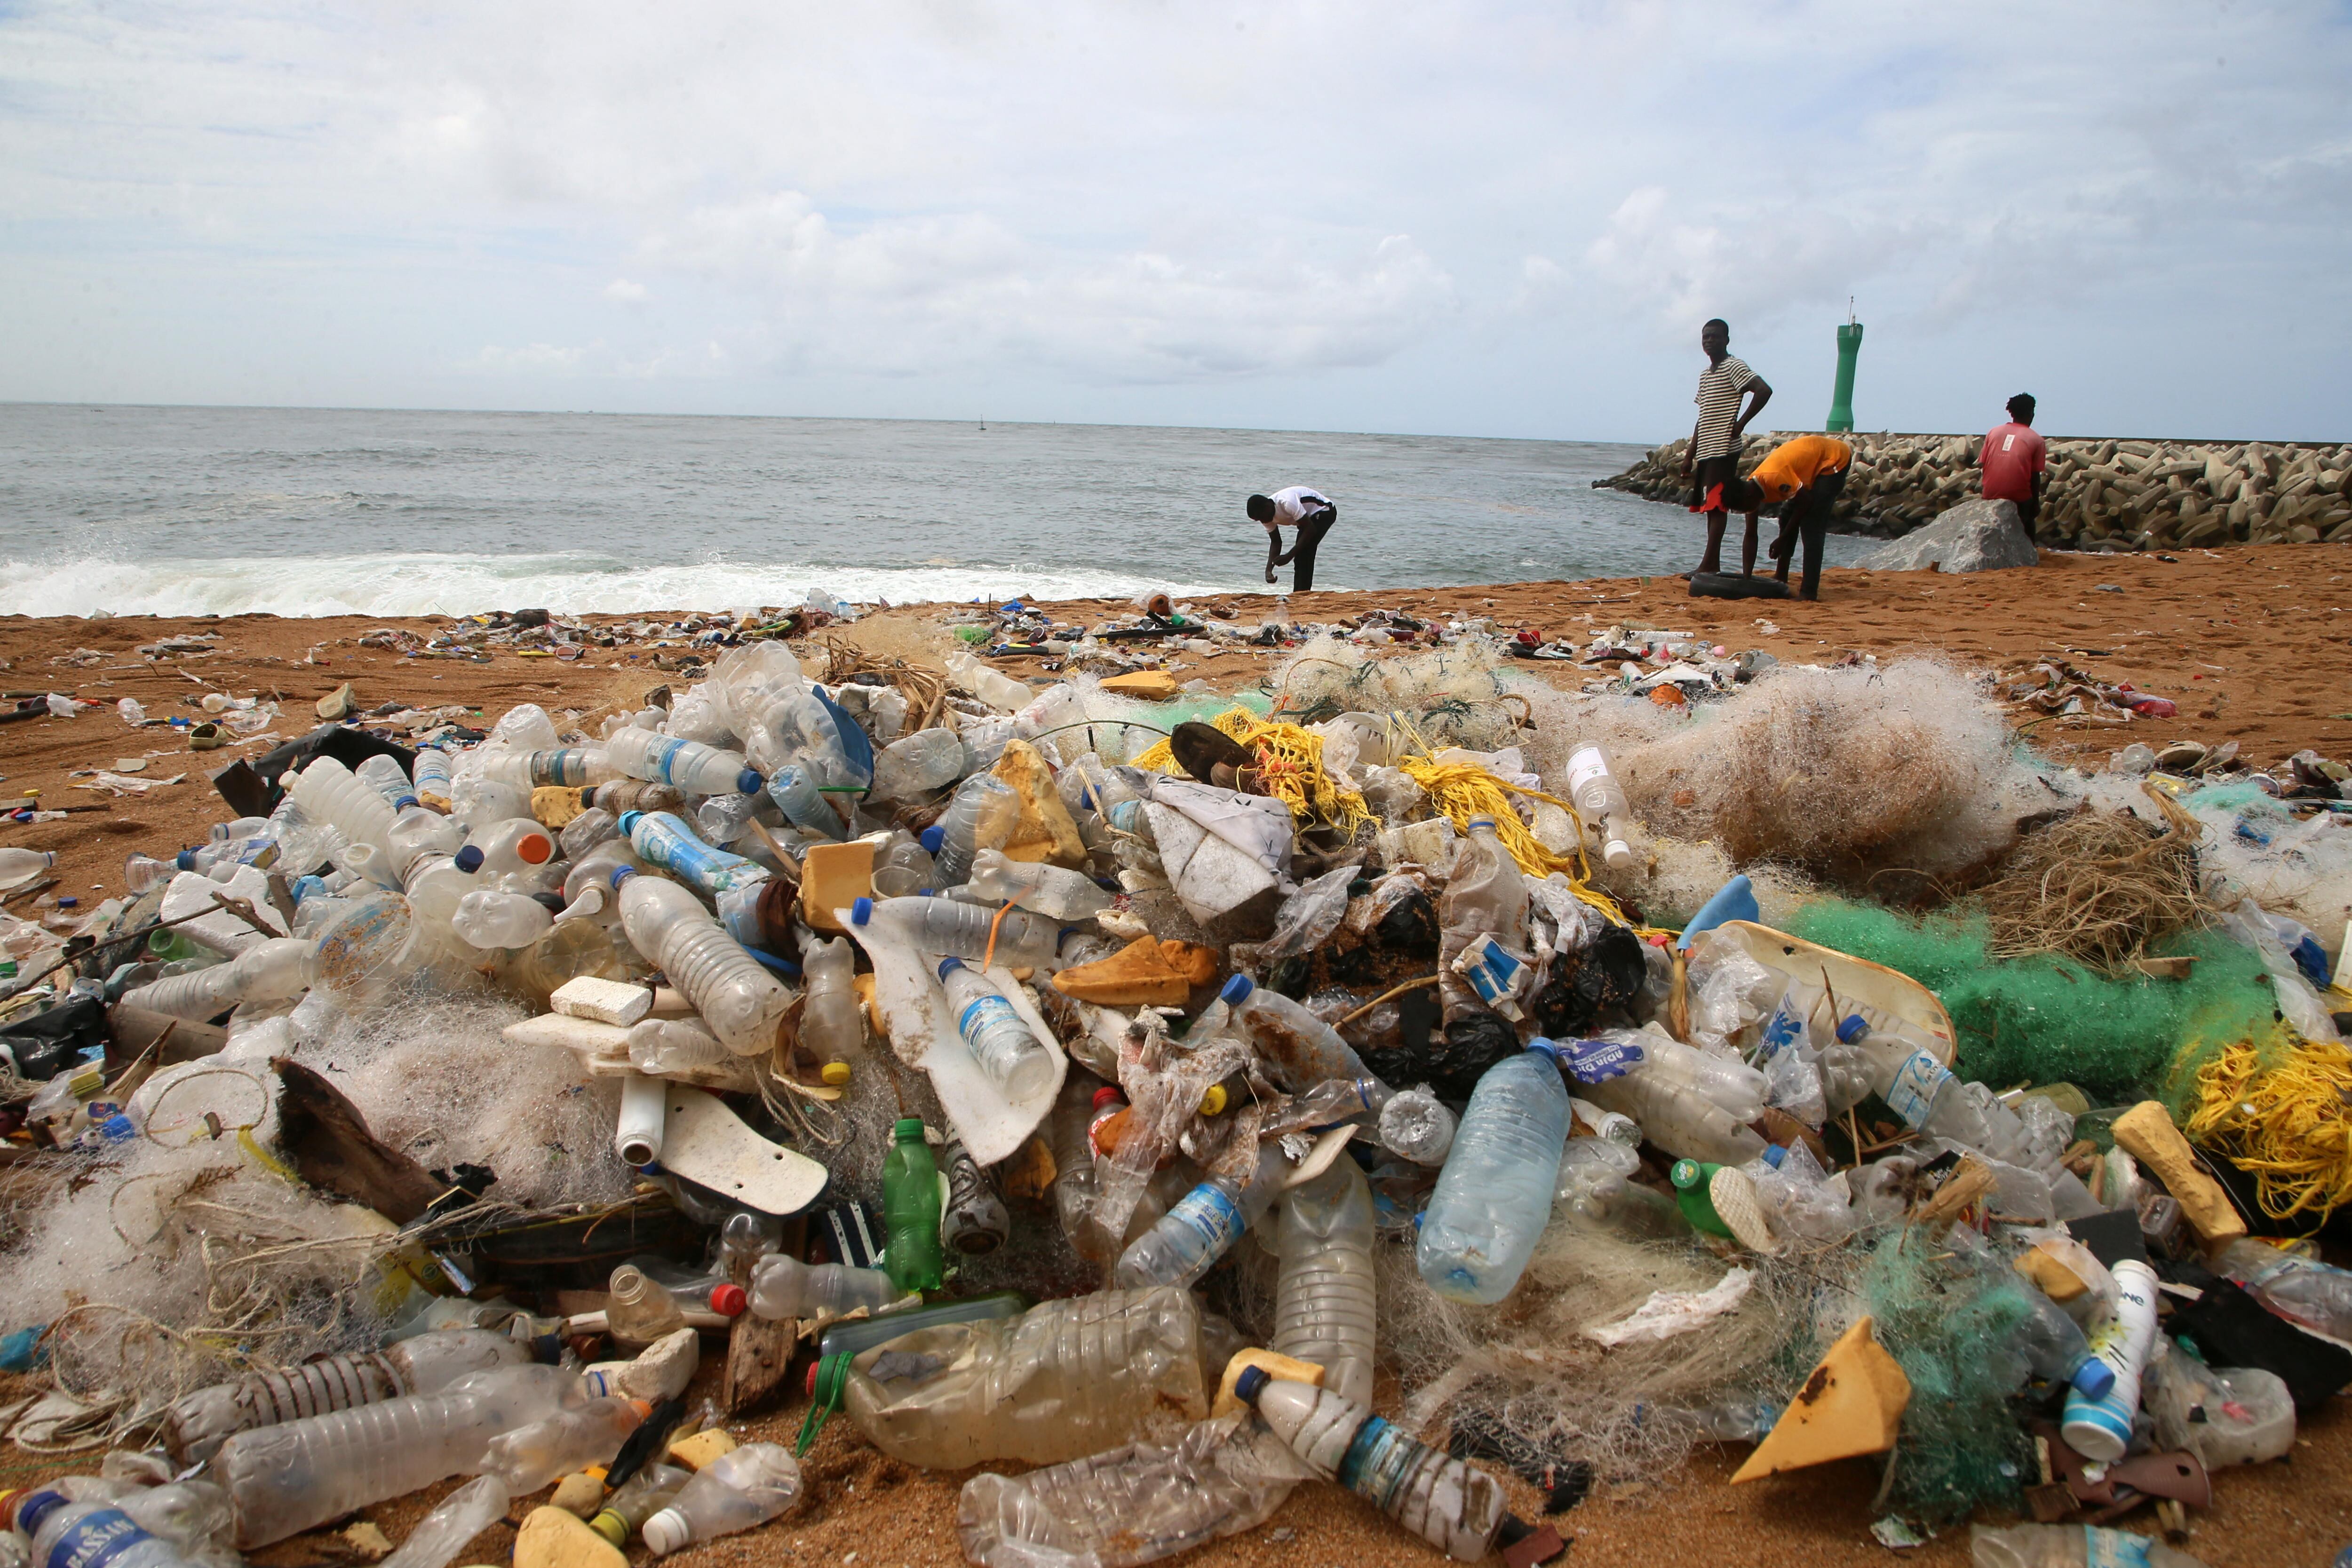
{"type": "Point", "coordinates": [1714, 453]}
{"type": "Point", "coordinates": [2016, 462]}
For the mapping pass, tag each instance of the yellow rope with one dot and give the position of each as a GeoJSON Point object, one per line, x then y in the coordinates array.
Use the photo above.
{"type": "Point", "coordinates": [2288, 1124]}
{"type": "Point", "coordinates": [1290, 769]}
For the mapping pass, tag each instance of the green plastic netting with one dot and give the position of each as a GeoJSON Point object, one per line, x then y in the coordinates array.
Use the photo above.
{"type": "Point", "coordinates": [2047, 1020]}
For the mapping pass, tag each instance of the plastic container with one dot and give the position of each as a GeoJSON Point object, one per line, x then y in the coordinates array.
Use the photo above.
{"type": "Point", "coordinates": [1601, 801]}
{"type": "Point", "coordinates": [2100, 1429]}
{"type": "Point", "coordinates": [1325, 1306]}
{"type": "Point", "coordinates": [638, 1308]}
{"type": "Point", "coordinates": [739, 1490]}
{"type": "Point", "coordinates": [18, 866]}
{"type": "Point", "coordinates": [999, 1038]}
{"type": "Point", "coordinates": [833, 1021]}
{"type": "Point", "coordinates": [543, 1452]}
{"type": "Point", "coordinates": [911, 1209]}
{"type": "Point", "coordinates": [1486, 895]}
{"type": "Point", "coordinates": [1066, 1379]}
{"type": "Point", "coordinates": [299, 1474]}
{"type": "Point", "coordinates": [687, 765]}
{"type": "Point", "coordinates": [915, 766]}
{"type": "Point", "coordinates": [784, 1286]}
{"type": "Point", "coordinates": [1416, 1125]}
{"type": "Point", "coordinates": [737, 997]}
{"type": "Point", "coordinates": [1053, 891]}
{"type": "Point", "coordinates": [666, 841]}
{"type": "Point", "coordinates": [1494, 1195]}
{"type": "Point", "coordinates": [945, 927]}
{"type": "Point", "coordinates": [196, 1427]}
{"type": "Point", "coordinates": [2069, 1546]}
{"type": "Point", "coordinates": [268, 971]}
{"type": "Point", "coordinates": [2236, 1415]}
{"type": "Point", "coordinates": [1298, 1049]}
{"type": "Point", "coordinates": [1201, 1227]}
{"type": "Point", "coordinates": [510, 846]}
{"type": "Point", "coordinates": [1455, 1507]}
{"type": "Point", "coordinates": [489, 919]}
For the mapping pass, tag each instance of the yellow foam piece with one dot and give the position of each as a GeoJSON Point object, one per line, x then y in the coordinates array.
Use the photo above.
{"type": "Point", "coordinates": [1851, 1405]}
{"type": "Point", "coordinates": [2148, 1134]}
{"type": "Point", "coordinates": [704, 1446]}
{"type": "Point", "coordinates": [1150, 685]}
{"type": "Point", "coordinates": [550, 1538]}
{"type": "Point", "coordinates": [1046, 830]}
{"type": "Point", "coordinates": [1280, 1367]}
{"type": "Point", "coordinates": [833, 876]}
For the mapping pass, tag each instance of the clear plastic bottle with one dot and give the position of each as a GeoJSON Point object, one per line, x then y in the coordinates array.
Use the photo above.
{"type": "Point", "coordinates": [688, 765]}
{"type": "Point", "coordinates": [740, 1490]}
{"type": "Point", "coordinates": [666, 841]}
{"type": "Point", "coordinates": [999, 1038]}
{"type": "Point", "coordinates": [911, 1209]}
{"type": "Point", "coordinates": [1486, 895]}
{"type": "Point", "coordinates": [660, 1046]}
{"type": "Point", "coordinates": [384, 776]}
{"type": "Point", "coordinates": [18, 867]}
{"type": "Point", "coordinates": [637, 795]}
{"type": "Point", "coordinates": [269, 971]}
{"type": "Point", "coordinates": [196, 1427]}
{"type": "Point", "coordinates": [784, 1286]}
{"type": "Point", "coordinates": [735, 994]}
{"type": "Point", "coordinates": [948, 929]}
{"type": "Point", "coordinates": [637, 1500]}
{"type": "Point", "coordinates": [141, 873]}
{"type": "Point", "coordinates": [64, 1534]}
{"type": "Point", "coordinates": [913, 767]}
{"type": "Point", "coordinates": [417, 833]}
{"type": "Point", "coordinates": [291, 1477]}
{"type": "Point", "coordinates": [1667, 1095]}
{"type": "Point", "coordinates": [1299, 1050]}
{"type": "Point", "coordinates": [488, 918]}
{"type": "Point", "coordinates": [976, 1221]}
{"type": "Point", "coordinates": [639, 1308]}
{"type": "Point", "coordinates": [1065, 1378]}
{"type": "Point", "coordinates": [584, 832]}
{"type": "Point", "coordinates": [904, 867]}
{"type": "Point", "coordinates": [1596, 1187]}
{"type": "Point", "coordinates": [2054, 1346]}
{"type": "Point", "coordinates": [1416, 1126]}
{"type": "Point", "coordinates": [1456, 1508]}
{"type": "Point", "coordinates": [546, 1450]}
{"type": "Point", "coordinates": [1325, 1305]}
{"type": "Point", "coordinates": [2070, 1546]}
{"type": "Point", "coordinates": [429, 771]}
{"type": "Point", "coordinates": [833, 1021]}
{"type": "Point", "coordinates": [1601, 801]}
{"type": "Point", "coordinates": [2305, 1289]}
{"type": "Point", "coordinates": [569, 766]}
{"type": "Point", "coordinates": [982, 817]}
{"type": "Point", "coordinates": [567, 951]}
{"type": "Point", "coordinates": [1053, 891]}
{"type": "Point", "coordinates": [327, 792]}
{"type": "Point", "coordinates": [1494, 1195]}
{"type": "Point", "coordinates": [800, 796]}
{"type": "Point", "coordinates": [1201, 1227]}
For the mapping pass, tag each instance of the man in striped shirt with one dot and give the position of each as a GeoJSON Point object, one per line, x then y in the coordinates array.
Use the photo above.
{"type": "Point", "coordinates": [1713, 455]}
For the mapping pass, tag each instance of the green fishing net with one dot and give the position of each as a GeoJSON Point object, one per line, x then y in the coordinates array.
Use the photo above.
{"type": "Point", "coordinates": [2048, 1019]}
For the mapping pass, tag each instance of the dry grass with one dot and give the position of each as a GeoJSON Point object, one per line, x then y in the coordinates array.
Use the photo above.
{"type": "Point", "coordinates": [2098, 888]}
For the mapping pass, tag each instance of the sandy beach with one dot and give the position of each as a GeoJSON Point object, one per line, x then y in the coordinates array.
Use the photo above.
{"type": "Point", "coordinates": [2247, 642]}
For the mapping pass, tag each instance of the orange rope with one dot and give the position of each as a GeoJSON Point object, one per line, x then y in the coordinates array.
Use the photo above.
{"type": "Point", "coordinates": [988, 960]}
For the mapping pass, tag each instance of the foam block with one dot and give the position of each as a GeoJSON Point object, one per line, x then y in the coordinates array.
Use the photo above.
{"type": "Point", "coordinates": [1852, 1404]}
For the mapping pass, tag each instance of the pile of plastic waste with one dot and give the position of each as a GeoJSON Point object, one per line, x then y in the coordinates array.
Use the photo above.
{"type": "Point", "coordinates": [1408, 1079]}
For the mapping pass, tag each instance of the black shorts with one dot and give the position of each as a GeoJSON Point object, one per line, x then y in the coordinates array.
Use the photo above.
{"type": "Point", "coordinates": [2028, 511]}
{"type": "Point", "coordinates": [1709, 474]}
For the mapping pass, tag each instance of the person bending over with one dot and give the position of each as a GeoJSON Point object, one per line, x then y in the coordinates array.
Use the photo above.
{"type": "Point", "coordinates": [1713, 455]}
{"type": "Point", "coordinates": [1805, 476]}
{"type": "Point", "coordinates": [1310, 511]}
{"type": "Point", "coordinates": [2016, 462]}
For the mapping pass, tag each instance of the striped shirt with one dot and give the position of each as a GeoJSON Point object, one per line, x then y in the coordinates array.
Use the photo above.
{"type": "Point", "coordinates": [1719, 386]}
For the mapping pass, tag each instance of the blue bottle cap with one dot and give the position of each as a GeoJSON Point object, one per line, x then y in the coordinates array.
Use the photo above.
{"type": "Point", "coordinates": [1475, 821]}
{"type": "Point", "coordinates": [1237, 990]}
{"type": "Point", "coordinates": [185, 860]}
{"type": "Point", "coordinates": [1251, 1384]}
{"type": "Point", "coordinates": [748, 781]}
{"type": "Point", "coordinates": [117, 1128]}
{"type": "Point", "coordinates": [470, 858]}
{"type": "Point", "coordinates": [622, 874]}
{"type": "Point", "coordinates": [1851, 1027]}
{"type": "Point", "coordinates": [628, 821]}
{"type": "Point", "coordinates": [861, 911]}
{"type": "Point", "coordinates": [1773, 1154]}
{"type": "Point", "coordinates": [932, 837]}
{"type": "Point", "coordinates": [2095, 1379]}
{"type": "Point", "coordinates": [947, 966]}
{"type": "Point", "coordinates": [309, 888]}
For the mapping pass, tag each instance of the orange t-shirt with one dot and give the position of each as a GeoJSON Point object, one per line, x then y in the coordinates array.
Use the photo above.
{"type": "Point", "coordinates": [1795, 464]}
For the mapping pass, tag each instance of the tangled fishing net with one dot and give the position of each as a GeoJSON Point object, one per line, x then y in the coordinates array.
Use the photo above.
{"type": "Point", "coordinates": [2098, 888]}
{"type": "Point", "coordinates": [1455, 696]}
{"type": "Point", "coordinates": [2276, 1104]}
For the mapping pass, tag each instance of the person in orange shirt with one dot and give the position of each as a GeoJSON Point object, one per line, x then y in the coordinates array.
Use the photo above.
{"type": "Point", "coordinates": [1805, 476]}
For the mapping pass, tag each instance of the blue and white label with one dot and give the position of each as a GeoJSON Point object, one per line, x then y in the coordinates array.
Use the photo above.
{"type": "Point", "coordinates": [1493, 971]}
{"type": "Point", "coordinates": [95, 1539]}
{"type": "Point", "coordinates": [984, 1014]}
{"type": "Point", "coordinates": [1786, 1026]}
{"type": "Point", "coordinates": [1917, 1084]}
{"type": "Point", "coordinates": [2112, 1548]}
{"type": "Point", "coordinates": [1596, 1061]}
{"type": "Point", "coordinates": [1209, 1215]}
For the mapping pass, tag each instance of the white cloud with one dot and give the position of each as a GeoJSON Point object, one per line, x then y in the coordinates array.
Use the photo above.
{"type": "Point", "coordinates": [532, 359]}
{"type": "Point", "coordinates": [622, 291]}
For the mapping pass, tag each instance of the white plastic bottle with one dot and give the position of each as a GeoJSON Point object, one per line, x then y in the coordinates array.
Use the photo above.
{"type": "Point", "coordinates": [1416, 1125]}
{"type": "Point", "coordinates": [1201, 1227]}
{"type": "Point", "coordinates": [510, 846]}
{"type": "Point", "coordinates": [382, 775]}
{"type": "Point", "coordinates": [800, 794]}
{"type": "Point", "coordinates": [689, 765]}
{"type": "Point", "coordinates": [289, 1478]}
{"type": "Point", "coordinates": [1300, 1050]}
{"type": "Point", "coordinates": [196, 1427]}
{"type": "Point", "coordinates": [488, 918]}
{"type": "Point", "coordinates": [1325, 1305]}
{"type": "Point", "coordinates": [999, 1038]}
{"type": "Point", "coordinates": [982, 814]}
{"type": "Point", "coordinates": [268, 971]}
{"type": "Point", "coordinates": [1054, 891]}
{"type": "Point", "coordinates": [2101, 1429]}
{"type": "Point", "coordinates": [326, 792]}
{"type": "Point", "coordinates": [740, 1490]}
{"type": "Point", "coordinates": [1494, 1195]}
{"type": "Point", "coordinates": [988, 683]}
{"type": "Point", "coordinates": [429, 771]}
{"type": "Point", "coordinates": [18, 866]}
{"type": "Point", "coordinates": [784, 1286]}
{"type": "Point", "coordinates": [1601, 801]}
{"type": "Point", "coordinates": [735, 994]}
{"type": "Point", "coordinates": [673, 1045]}
{"type": "Point", "coordinates": [1456, 1508]}
{"type": "Point", "coordinates": [952, 929]}
{"type": "Point", "coordinates": [833, 1022]}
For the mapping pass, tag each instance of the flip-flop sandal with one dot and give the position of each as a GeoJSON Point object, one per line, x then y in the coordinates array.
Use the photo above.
{"type": "Point", "coordinates": [1734, 1197]}
{"type": "Point", "coordinates": [206, 737]}
{"type": "Point", "coordinates": [1201, 748]}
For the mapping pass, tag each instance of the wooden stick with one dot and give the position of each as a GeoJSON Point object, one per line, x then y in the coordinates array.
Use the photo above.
{"type": "Point", "coordinates": [1392, 991]}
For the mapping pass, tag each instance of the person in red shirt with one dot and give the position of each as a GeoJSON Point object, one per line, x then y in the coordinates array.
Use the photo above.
{"type": "Point", "coordinates": [2016, 462]}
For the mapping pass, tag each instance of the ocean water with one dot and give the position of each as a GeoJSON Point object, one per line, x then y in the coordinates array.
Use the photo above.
{"type": "Point", "coordinates": [328, 512]}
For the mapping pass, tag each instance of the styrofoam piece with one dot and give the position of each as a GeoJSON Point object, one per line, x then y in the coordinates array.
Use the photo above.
{"type": "Point", "coordinates": [923, 1034]}
{"type": "Point", "coordinates": [709, 1144]}
{"type": "Point", "coordinates": [605, 1001]}
{"type": "Point", "coordinates": [603, 1052]}
{"type": "Point", "coordinates": [191, 891]}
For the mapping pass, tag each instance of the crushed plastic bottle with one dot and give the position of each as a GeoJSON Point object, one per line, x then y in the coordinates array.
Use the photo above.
{"type": "Point", "coordinates": [1050, 890]}
{"type": "Point", "coordinates": [982, 817]}
{"type": "Point", "coordinates": [784, 1286]}
{"type": "Point", "coordinates": [1486, 895]}
{"type": "Point", "coordinates": [196, 1427]}
{"type": "Point", "coordinates": [740, 1490]}
{"type": "Point", "coordinates": [1325, 1305]}
{"type": "Point", "coordinates": [2070, 1546]}
{"type": "Point", "coordinates": [742, 1002]}
{"type": "Point", "coordinates": [952, 929]}
{"type": "Point", "coordinates": [666, 841]}
{"type": "Point", "coordinates": [1201, 1227]}
{"type": "Point", "coordinates": [1299, 1050]}
{"type": "Point", "coordinates": [1495, 1194]}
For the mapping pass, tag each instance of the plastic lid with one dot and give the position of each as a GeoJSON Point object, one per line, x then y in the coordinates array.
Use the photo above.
{"type": "Point", "coordinates": [117, 1128]}
{"type": "Point", "coordinates": [628, 821]}
{"type": "Point", "coordinates": [861, 911]}
{"type": "Point", "coordinates": [2095, 1379]}
{"type": "Point", "coordinates": [1105, 1095]}
{"type": "Point", "coordinates": [34, 1507]}
{"type": "Point", "coordinates": [1213, 1103]}
{"type": "Point", "coordinates": [949, 965]}
{"type": "Point", "coordinates": [908, 1127]}
{"type": "Point", "coordinates": [728, 1301]}
{"type": "Point", "coordinates": [1851, 1027]}
{"type": "Point", "coordinates": [931, 838]}
{"type": "Point", "coordinates": [748, 781]}
{"type": "Point", "coordinates": [185, 860]}
{"type": "Point", "coordinates": [535, 849]}
{"type": "Point", "coordinates": [1773, 1154]}
{"type": "Point", "coordinates": [836, 1073]}
{"type": "Point", "coordinates": [1686, 1173]}
{"type": "Point", "coordinates": [470, 858]}
{"type": "Point", "coordinates": [1237, 990]}
{"type": "Point", "coordinates": [622, 874]}
{"type": "Point", "coordinates": [1475, 821]}
{"type": "Point", "coordinates": [610, 1526]}
{"type": "Point", "coordinates": [811, 1389]}
{"type": "Point", "coordinates": [665, 1532]}
{"type": "Point", "coordinates": [1251, 1384]}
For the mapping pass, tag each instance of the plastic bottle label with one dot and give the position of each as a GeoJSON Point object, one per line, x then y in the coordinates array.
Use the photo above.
{"type": "Point", "coordinates": [2112, 1548]}
{"type": "Point", "coordinates": [1917, 1084]}
{"type": "Point", "coordinates": [1786, 1026]}
{"type": "Point", "coordinates": [1594, 1061]}
{"type": "Point", "coordinates": [95, 1539]}
{"type": "Point", "coordinates": [1493, 972]}
{"type": "Point", "coordinates": [673, 849]}
{"type": "Point", "coordinates": [1209, 1212]}
{"type": "Point", "coordinates": [984, 1013]}
{"type": "Point", "coordinates": [1585, 764]}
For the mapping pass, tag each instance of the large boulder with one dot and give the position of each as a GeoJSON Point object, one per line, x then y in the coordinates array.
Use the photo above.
{"type": "Point", "coordinates": [1975, 536]}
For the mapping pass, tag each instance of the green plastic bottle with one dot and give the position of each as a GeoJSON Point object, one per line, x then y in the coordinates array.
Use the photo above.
{"type": "Point", "coordinates": [1692, 1180]}
{"type": "Point", "coordinates": [911, 1209]}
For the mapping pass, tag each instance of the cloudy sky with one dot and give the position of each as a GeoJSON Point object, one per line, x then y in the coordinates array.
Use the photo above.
{"type": "Point", "coordinates": [1471, 218]}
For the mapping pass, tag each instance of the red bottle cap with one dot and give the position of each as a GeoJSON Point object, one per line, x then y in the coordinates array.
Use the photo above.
{"type": "Point", "coordinates": [811, 1379]}
{"type": "Point", "coordinates": [729, 1300]}
{"type": "Point", "coordinates": [1105, 1095]}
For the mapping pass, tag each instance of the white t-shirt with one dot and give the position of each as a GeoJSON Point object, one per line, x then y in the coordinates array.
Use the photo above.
{"type": "Point", "coordinates": [1297, 504]}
